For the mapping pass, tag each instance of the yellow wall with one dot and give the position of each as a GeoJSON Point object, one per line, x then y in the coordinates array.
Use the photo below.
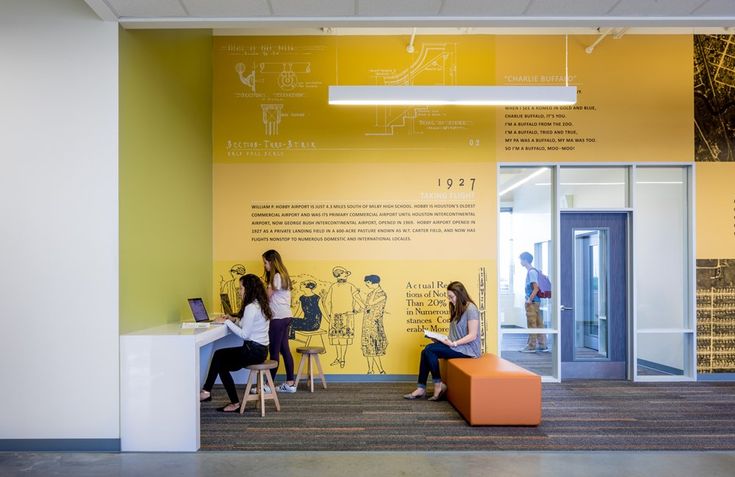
{"type": "Point", "coordinates": [715, 210]}
{"type": "Point", "coordinates": [287, 165]}
{"type": "Point", "coordinates": [274, 140]}
{"type": "Point", "coordinates": [165, 174]}
{"type": "Point", "coordinates": [634, 103]}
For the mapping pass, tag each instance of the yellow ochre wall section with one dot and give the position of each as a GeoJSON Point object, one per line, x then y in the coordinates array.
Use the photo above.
{"type": "Point", "coordinates": [409, 193]}
{"type": "Point", "coordinates": [165, 174]}
{"type": "Point", "coordinates": [715, 210]}
{"type": "Point", "coordinates": [634, 103]}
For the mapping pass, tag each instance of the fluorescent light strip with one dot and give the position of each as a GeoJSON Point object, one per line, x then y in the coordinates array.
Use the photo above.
{"type": "Point", "coordinates": [661, 182]}
{"type": "Point", "coordinates": [610, 183]}
{"type": "Point", "coordinates": [583, 183]}
{"type": "Point", "coordinates": [453, 95]}
{"type": "Point", "coordinates": [523, 181]}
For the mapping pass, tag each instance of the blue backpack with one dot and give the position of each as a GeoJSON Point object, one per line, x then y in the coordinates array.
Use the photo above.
{"type": "Point", "coordinates": [544, 285]}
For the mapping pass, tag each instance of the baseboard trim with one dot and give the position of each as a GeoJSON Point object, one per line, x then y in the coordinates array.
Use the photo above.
{"type": "Point", "coordinates": [716, 377]}
{"type": "Point", "coordinates": [60, 445]}
{"type": "Point", "coordinates": [359, 378]}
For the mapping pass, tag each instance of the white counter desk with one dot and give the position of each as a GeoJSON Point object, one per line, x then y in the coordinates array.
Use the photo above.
{"type": "Point", "coordinates": [162, 370]}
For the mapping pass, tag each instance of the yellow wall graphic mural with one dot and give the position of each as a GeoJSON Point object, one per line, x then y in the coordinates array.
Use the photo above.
{"type": "Point", "coordinates": [324, 218]}
{"type": "Point", "coordinates": [714, 92]}
{"type": "Point", "coordinates": [715, 267]}
{"type": "Point", "coordinates": [271, 100]}
{"type": "Point", "coordinates": [714, 95]}
{"type": "Point", "coordinates": [408, 194]}
{"type": "Point", "coordinates": [634, 100]}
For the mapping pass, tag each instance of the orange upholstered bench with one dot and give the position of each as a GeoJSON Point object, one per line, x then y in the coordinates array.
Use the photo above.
{"type": "Point", "coordinates": [490, 390]}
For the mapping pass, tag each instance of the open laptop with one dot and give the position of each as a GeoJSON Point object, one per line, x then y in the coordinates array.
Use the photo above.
{"type": "Point", "coordinates": [199, 311]}
{"type": "Point", "coordinates": [226, 306]}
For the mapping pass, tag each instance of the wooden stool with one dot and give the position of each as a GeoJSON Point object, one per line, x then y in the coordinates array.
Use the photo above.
{"type": "Point", "coordinates": [257, 371]}
{"type": "Point", "coordinates": [309, 335]}
{"type": "Point", "coordinates": [311, 353]}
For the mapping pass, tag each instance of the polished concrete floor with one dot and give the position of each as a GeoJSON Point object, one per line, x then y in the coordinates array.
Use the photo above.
{"type": "Point", "coordinates": [383, 464]}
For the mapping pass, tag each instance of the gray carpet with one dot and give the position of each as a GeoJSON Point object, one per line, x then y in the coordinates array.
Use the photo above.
{"type": "Point", "coordinates": [578, 415]}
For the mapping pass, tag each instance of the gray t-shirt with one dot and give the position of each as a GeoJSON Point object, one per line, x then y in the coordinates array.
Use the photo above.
{"type": "Point", "coordinates": [458, 330]}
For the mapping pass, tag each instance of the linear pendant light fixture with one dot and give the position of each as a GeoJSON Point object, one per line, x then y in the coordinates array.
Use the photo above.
{"type": "Point", "coordinates": [453, 95]}
{"type": "Point", "coordinates": [412, 95]}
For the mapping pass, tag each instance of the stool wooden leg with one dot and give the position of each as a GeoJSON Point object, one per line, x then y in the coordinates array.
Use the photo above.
{"type": "Point", "coordinates": [253, 380]}
{"type": "Point", "coordinates": [298, 373]}
{"type": "Point", "coordinates": [321, 373]}
{"type": "Point", "coordinates": [247, 392]}
{"type": "Point", "coordinates": [311, 373]}
{"type": "Point", "coordinates": [273, 394]}
{"type": "Point", "coordinates": [261, 394]}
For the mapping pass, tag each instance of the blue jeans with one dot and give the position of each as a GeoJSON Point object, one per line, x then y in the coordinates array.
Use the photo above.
{"type": "Point", "coordinates": [430, 361]}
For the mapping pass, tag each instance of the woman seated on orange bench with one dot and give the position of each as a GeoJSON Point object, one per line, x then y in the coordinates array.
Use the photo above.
{"type": "Point", "coordinates": [463, 342]}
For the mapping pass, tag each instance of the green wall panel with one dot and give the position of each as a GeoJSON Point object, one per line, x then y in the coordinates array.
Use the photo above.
{"type": "Point", "coordinates": [165, 174]}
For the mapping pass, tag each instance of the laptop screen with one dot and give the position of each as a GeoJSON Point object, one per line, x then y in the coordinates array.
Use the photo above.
{"type": "Point", "coordinates": [198, 309]}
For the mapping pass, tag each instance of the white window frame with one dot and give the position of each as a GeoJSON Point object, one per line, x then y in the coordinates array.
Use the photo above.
{"type": "Point", "coordinates": [689, 333]}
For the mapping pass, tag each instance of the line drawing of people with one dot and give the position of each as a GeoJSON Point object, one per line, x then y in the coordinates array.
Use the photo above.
{"type": "Point", "coordinates": [341, 303]}
{"type": "Point", "coordinates": [309, 308]}
{"type": "Point", "coordinates": [374, 342]}
{"type": "Point", "coordinates": [232, 286]}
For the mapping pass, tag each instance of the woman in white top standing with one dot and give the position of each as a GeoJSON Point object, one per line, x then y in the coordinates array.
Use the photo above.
{"type": "Point", "coordinates": [254, 318]}
{"type": "Point", "coordinates": [278, 287]}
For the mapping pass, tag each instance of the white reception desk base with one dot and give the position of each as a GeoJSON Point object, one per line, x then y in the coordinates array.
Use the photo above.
{"type": "Point", "coordinates": [161, 374]}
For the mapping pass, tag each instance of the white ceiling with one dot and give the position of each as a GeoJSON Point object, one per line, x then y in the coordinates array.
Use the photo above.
{"type": "Point", "coordinates": [417, 13]}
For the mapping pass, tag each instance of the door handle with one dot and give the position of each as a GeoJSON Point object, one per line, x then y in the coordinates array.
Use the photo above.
{"type": "Point", "coordinates": [566, 308]}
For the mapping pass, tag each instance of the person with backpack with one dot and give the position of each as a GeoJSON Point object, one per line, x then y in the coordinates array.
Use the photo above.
{"type": "Point", "coordinates": [533, 294]}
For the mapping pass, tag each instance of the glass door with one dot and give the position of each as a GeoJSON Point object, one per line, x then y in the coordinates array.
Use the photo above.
{"type": "Point", "coordinates": [590, 312]}
{"type": "Point", "coordinates": [594, 295]}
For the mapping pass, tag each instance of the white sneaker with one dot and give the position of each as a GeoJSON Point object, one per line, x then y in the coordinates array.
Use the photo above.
{"type": "Point", "coordinates": [286, 388]}
{"type": "Point", "coordinates": [266, 389]}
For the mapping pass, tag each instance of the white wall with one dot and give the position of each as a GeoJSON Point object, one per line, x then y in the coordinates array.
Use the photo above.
{"type": "Point", "coordinates": [58, 209]}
